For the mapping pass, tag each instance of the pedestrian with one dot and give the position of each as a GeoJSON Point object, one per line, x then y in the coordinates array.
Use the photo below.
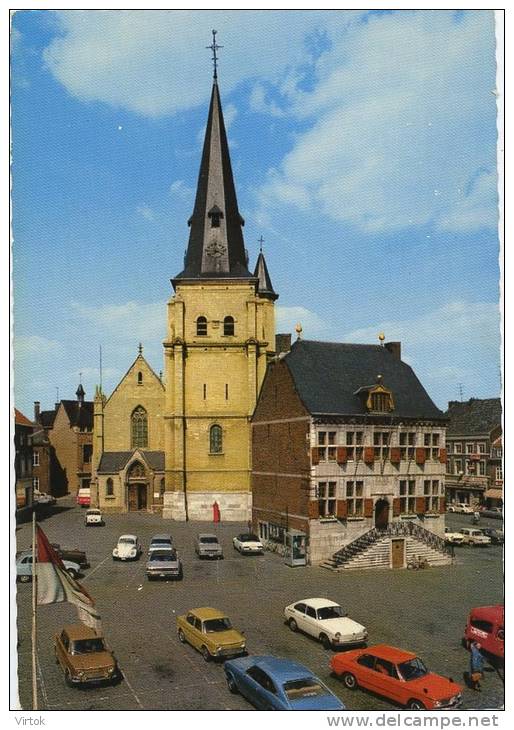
{"type": "Point", "coordinates": [476, 666]}
{"type": "Point", "coordinates": [476, 518]}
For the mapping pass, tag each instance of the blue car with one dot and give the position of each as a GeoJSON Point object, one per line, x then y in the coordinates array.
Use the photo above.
{"type": "Point", "coordinates": [271, 683]}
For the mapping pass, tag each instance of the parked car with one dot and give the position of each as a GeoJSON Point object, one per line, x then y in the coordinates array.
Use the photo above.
{"type": "Point", "coordinates": [84, 657]}
{"type": "Point", "coordinates": [398, 675]}
{"type": "Point", "coordinates": [72, 554]}
{"type": "Point", "coordinates": [486, 624]}
{"type": "Point", "coordinates": [475, 537]}
{"type": "Point", "coordinates": [84, 497]}
{"type": "Point", "coordinates": [496, 513]}
{"type": "Point", "coordinates": [496, 536]}
{"type": "Point", "coordinates": [326, 621]}
{"type": "Point", "coordinates": [248, 544]}
{"type": "Point", "coordinates": [208, 546]}
{"type": "Point", "coordinates": [272, 683]}
{"type": "Point", "coordinates": [43, 498]}
{"type": "Point", "coordinates": [24, 567]}
{"type": "Point", "coordinates": [465, 509]}
{"type": "Point", "coordinates": [160, 542]}
{"type": "Point", "coordinates": [163, 564]}
{"type": "Point", "coordinates": [453, 538]}
{"type": "Point", "coordinates": [211, 632]}
{"type": "Point", "coordinates": [94, 518]}
{"type": "Point", "coordinates": [128, 547]}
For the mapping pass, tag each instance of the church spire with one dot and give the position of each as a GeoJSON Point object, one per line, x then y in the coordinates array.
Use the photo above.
{"type": "Point", "coordinates": [216, 247]}
{"type": "Point", "coordinates": [264, 286]}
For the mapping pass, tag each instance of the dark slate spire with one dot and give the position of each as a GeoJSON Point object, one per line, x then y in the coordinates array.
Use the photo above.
{"type": "Point", "coordinates": [264, 287]}
{"type": "Point", "coordinates": [216, 247]}
{"type": "Point", "coordinates": [80, 393]}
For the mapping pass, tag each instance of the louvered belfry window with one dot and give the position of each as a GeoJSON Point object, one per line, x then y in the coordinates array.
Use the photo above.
{"type": "Point", "coordinates": [139, 428]}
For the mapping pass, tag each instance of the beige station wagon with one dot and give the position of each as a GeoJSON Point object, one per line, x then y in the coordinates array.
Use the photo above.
{"type": "Point", "coordinates": [83, 656]}
{"type": "Point", "coordinates": [211, 632]}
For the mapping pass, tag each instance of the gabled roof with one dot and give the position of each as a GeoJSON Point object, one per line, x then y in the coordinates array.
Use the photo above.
{"type": "Point", "coordinates": [264, 286]}
{"type": "Point", "coordinates": [79, 414]}
{"type": "Point", "coordinates": [473, 417]}
{"type": "Point", "coordinates": [21, 420]}
{"type": "Point", "coordinates": [327, 376]}
{"type": "Point", "coordinates": [47, 418]}
{"type": "Point", "coordinates": [112, 462]}
{"type": "Point", "coordinates": [215, 252]}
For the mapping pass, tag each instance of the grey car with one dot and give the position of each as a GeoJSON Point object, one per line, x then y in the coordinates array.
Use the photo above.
{"type": "Point", "coordinates": [207, 546]}
{"type": "Point", "coordinates": [161, 542]}
{"type": "Point", "coordinates": [164, 564]}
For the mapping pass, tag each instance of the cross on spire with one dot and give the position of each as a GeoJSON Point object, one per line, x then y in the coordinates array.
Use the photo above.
{"type": "Point", "coordinates": [214, 47]}
{"type": "Point", "coordinates": [260, 241]}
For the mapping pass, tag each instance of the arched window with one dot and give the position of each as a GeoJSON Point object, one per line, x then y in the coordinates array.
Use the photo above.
{"type": "Point", "coordinates": [201, 326]}
{"type": "Point", "coordinates": [140, 378]}
{"type": "Point", "coordinates": [139, 428]}
{"type": "Point", "coordinates": [215, 439]}
{"type": "Point", "coordinates": [109, 488]}
{"type": "Point", "coordinates": [228, 326]}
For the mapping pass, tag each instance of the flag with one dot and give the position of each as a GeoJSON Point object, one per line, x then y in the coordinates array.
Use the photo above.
{"type": "Point", "coordinates": [54, 585]}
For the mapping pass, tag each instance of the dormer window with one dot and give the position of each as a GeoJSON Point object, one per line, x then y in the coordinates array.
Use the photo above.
{"type": "Point", "coordinates": [376, 398]}
{"type": "Point", "coordinates": [201, 327]}
{"type": "Point", "coordinates": [381, 402]}
{"type": "Point", "coordinates": [215, 214]}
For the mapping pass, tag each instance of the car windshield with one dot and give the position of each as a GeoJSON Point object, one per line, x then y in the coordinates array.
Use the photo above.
{"type": "Point", "coordinates": [161, 541]}
{"type": "Point", "coordinates": [330, 612]}
{"type": "Point", "coordinates": [88, 646]}
{"type": "Point", "coordinates": [217, 624]}
{"type": "Point", "coordinates": [298, 689]}
{"type": "Point", "coordinates": [93, 512]}
{"type": "Point", "coordinates": [209, 540]}
{"type": "Point", "coordinates": [413, 669]}
{"type": "Point", "coordinates": [248, 537]}
{"type": "Point", "coordinates": [164, 557]}
{"type": "Point", "coordinates": [126, 541]}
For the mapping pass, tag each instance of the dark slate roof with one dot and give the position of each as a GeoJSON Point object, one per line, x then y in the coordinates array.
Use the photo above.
{"type": "Point", "coordinates": [114, 461]}
{"type": "Point", "coordinates": [264, 286]}
{"type": "Point", "coordinates": [473, 417]}
{"type": "Point", "coordinates": [79, 416]}
{"type": "Point", "coordinates": [328, 374]}
{"type": "Point", "coordinates": [215, 175]}
{"type": "Point", "coordinates": [47, 418]}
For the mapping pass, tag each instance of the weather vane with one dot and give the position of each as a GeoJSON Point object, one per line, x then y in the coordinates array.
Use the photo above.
{"type": "Point", "coordinates": [214, 47]}
{"type": "Point", "coordinates": [260, 241]}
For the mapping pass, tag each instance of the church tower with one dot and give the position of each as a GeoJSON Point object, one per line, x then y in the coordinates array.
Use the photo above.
{"type": "Point", "coordinates": [220, 336]}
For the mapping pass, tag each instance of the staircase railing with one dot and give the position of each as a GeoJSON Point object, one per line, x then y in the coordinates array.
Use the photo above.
{"type": "Point", "coordinates": [395, 529]}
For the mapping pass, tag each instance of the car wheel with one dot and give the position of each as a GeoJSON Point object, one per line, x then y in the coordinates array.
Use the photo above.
{"type": "Point", "coordinates": [72, 573]}
{"type": "Point", "coordinates": [67, 678]}
{"type": "Point", "coordinates": [181, 636]}
{"type": "Point", "coordinates": [325, 641]}
{"type": "Point", "coordinates": [231, 684]}
{"type": "Point", "coordinates": [349, 680]}
{"type": "Point", "coordinates": [293, 625]}
{"type": "Point", "coordinates": [416, 705]}
{"type": "Point", "coordinates": [206, 654]}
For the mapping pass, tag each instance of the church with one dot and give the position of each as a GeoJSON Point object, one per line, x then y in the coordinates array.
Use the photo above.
{"type": "Point", "coordinates": [180, 444]}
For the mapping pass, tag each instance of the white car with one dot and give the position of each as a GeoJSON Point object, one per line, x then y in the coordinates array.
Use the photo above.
{"type": "Point", "coordinates": [94, 517]}
{"type": "Point", "coordinates": [43, 498]}
{"type": "Point", "coordinates": [464, 509]}
{"type": "Point", "coordinates": [326, 621]}
{"type": "Point", "coordinates": [472, 536]}
{"type": "Point", "coordinates": [248, 544]}
{"type": "Point", "coordinates": [453, 538]}
{"type": "Point", "coordinates": [128, 548]}
{"type": "Point", "coordinates": [24, 567]}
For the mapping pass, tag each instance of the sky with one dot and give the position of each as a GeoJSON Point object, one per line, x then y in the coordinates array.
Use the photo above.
{"type": "Point", "coordinates": [363, 145]}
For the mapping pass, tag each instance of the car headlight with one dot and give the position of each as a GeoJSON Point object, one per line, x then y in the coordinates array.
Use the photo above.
{"type": "Point", "coordinates": [110, 670]}
{"type": "Point", "coordinates": [80, 674]}
{"type": "Point", "coordinates": [133, 551]}
{"type": "Point", "coordinates": [437, 703]}
{"type": "Point", "coordinates": [337, 636]}
{"type": "Point", "coordinates": [115, 551]}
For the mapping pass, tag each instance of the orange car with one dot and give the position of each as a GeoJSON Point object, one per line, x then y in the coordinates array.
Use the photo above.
{"type": "Point", "coordinates": [398, 675]}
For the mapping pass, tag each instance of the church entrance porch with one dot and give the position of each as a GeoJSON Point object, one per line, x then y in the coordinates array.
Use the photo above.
{"type": "Point", "coordinates": [137, 497]}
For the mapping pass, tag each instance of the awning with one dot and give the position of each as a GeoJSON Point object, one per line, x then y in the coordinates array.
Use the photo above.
{"type": "Point", "coordinates": [494, 493]}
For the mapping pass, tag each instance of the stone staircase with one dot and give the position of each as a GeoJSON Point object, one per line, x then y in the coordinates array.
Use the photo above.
{"type": "Point", "coordinates": [373, 548]}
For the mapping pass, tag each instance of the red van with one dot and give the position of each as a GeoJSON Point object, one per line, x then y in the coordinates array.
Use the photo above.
{"type": "Point", "coordinates": [486, 624]}
{"type": "Point", "coordinates": [84, 497]}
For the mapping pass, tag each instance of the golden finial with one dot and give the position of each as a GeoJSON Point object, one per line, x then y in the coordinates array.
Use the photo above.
{"type": "Point", "coordinates": [299, 330]}
{"type": "Point", "coordinates": [381, 337]}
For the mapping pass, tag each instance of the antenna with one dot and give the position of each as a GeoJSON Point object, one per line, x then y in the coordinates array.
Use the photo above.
{"type": "Point", "coordinates": [461, 391]}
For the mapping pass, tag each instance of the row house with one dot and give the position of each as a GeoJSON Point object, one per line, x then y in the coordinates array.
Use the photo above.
{"type": "Point", "coordinates": [475, 474]}
{"type": "Point", "coordinates": [347, 444]}
{"type": "Point", "coordinates": [23, 458]}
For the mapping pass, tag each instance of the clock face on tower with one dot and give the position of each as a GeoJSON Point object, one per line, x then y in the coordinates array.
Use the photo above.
{"type": "Point", "coordinates": [216, 249]}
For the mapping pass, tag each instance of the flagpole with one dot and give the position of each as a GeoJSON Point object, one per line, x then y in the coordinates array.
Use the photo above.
{"type": "Point", "coordinates": [34, 606]}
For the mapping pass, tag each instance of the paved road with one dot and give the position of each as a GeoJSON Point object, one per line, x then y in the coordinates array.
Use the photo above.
{"type": "Point", "coordinates": [424, 611]}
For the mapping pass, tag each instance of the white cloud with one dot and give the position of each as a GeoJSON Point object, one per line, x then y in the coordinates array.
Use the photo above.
{"type": "Point", "coordinates": [131, 321]}
{"type": "Point", "coordinates": [259, 102]}
{"type": "Point", "coordinates": [146, 212]}
{"type": "Point", "coordinates": [399, 110]}
{"type": "Point", "coordinates": [288, 317]}
{"type": "Point", "coordinates": [178, 188]}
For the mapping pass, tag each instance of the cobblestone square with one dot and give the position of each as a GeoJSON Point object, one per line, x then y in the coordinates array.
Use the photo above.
{"type": "Point", "coordinates": [424, 611]}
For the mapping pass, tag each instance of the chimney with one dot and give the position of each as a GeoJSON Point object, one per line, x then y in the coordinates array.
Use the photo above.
{"type": "Point", "coordinates": [395, 348]}
{"type": "Point", "coordinates": [37, 410]}
{"type": "Point", "coordinates": [282, 343]}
